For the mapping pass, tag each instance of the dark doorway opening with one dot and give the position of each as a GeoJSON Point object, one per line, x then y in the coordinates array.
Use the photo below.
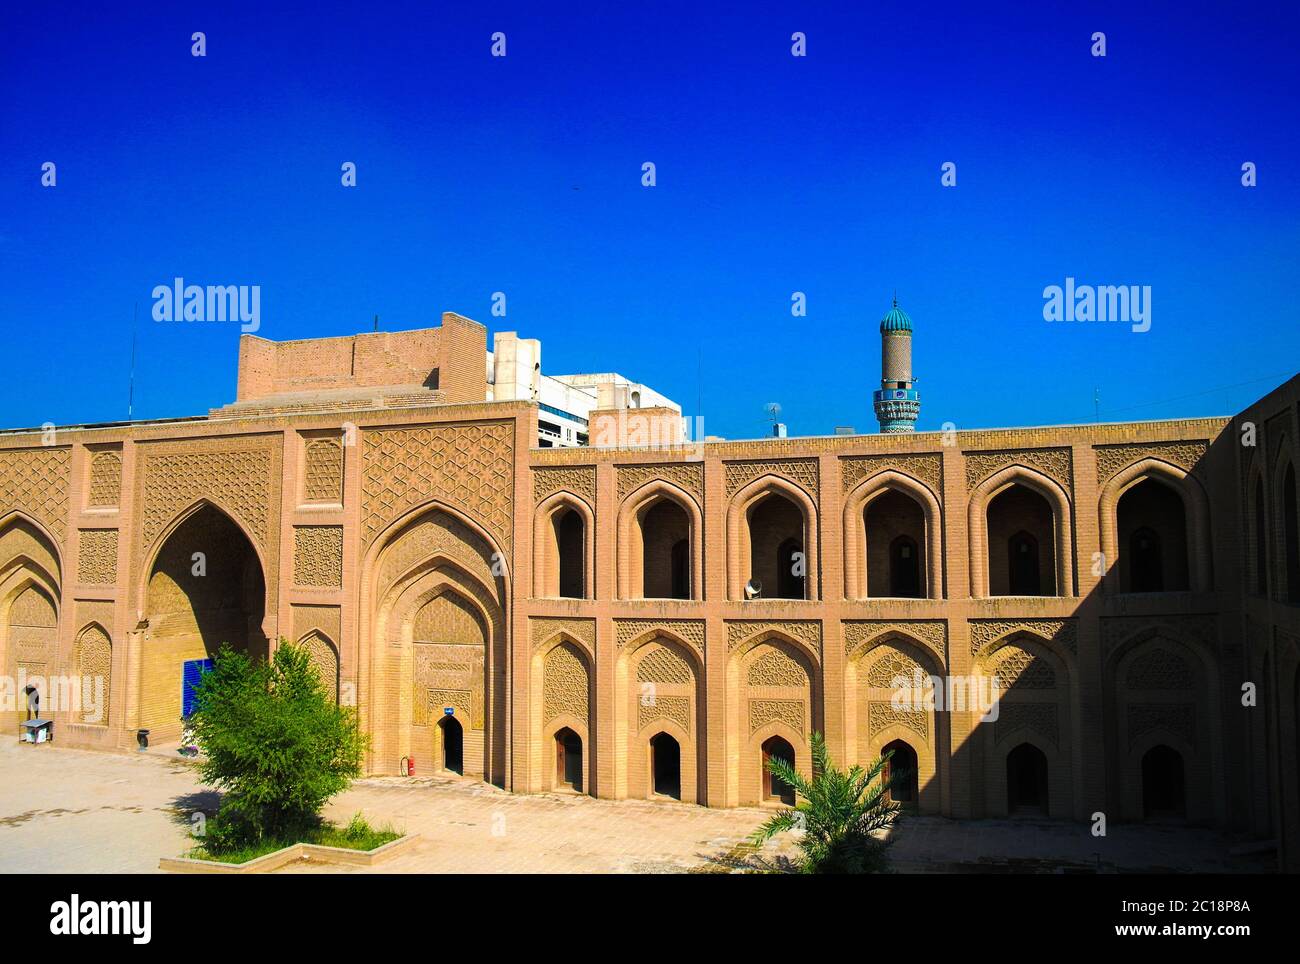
{"type": "Point", "coordinates": [1027, 781]}
{"type": "Point", "coordinates": [681, 566]}
{"type": "Point", "coordinates": [904, 568]}
{"type": "Point", "coordinates": [1146, 566]}
{"type": "Point", "coordinates": [570, 538]}
{"type": "Point", "coordinates": [568, 759]}
{"type": "Point", "coordinates": [901, 765]}
{"type": "Point", "coordinates": [1022, 568]}
{"type": "Point", "coordinates": [453, 744]}
{"type": "Point", "coordinates": [774, 788]}
{"type": "Point", "coordinates": [790, 576]}
{"type": "Point", "coordinates": [666, 762]}
{"type": "Point", "coordinates": [1163, 786]}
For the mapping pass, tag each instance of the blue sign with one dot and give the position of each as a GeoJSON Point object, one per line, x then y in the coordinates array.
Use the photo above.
{"type": "Point", "coordinates": [191, 670]}
{"type": "Point", "coordinates": [449, 711]}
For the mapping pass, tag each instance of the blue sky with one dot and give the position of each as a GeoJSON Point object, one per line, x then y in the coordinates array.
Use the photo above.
{"type": "Point", "coordinates": [775, 174]}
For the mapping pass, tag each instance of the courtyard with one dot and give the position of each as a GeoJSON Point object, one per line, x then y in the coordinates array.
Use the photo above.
{"type": "Point", "coordinates": [78, 811]}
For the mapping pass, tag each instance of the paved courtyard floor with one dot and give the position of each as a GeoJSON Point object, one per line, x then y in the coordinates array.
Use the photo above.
{"type": "Point", "coordinates": [78, 811]}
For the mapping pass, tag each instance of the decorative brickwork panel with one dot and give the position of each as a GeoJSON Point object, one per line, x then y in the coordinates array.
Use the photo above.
{"type": "Point", "coordinates": [1017, 668]}
{"type": "Point", "coordinates": [470, 466]}
{"type": "Point", "coordinates": [807, 631]}
{"type": "Point", "coordinates": [675, 708]}
{"type": "Point", "coordinates": [1160, 670]}
{"type": "Point", "coordinates": [33, 632]}
{"type": "Point", "coordinates": [565, 684]}
{"type": "Point", "coordinates": [883, 714]}
{"type": "Point", "coordinates": [1112, 459]}
{"type": "Point", "coordinates": [36, 481]}
{"type": "Point", "coordinates": [689, 630]}
{"type": "Point", "coordinates": [437, 534]}
{"type": "Point", "coordinates": [1056, 464]}
{"type": "Point", "coordinates": [105, 485]}
{"type": "Point", "coordinates": [93, 657]}
{"type": "Point", "coordinates": [925, 468]}
{"type": "Point", "coordinates": [450, 651]}
{"type": "Point", "coordinates": [775, 668]}
{"type": "Point", "coordinates": [763, 712]}
{"type": "Point", "coordinates": [579, 480]}
{"type": "Point", "coordinates": [318, 556]}
{"type": "Point", "coordinates": [663, 665]}
{"type": "Point", "coordinates": [325, 661]}
{"type": "Point", "coordinates": [325, 619]}
{"type": "Point", "coordinates": [97, 558]}
{"type": "Point", "coordinates": [893, 670]}
{"type": "Point", "coordinates": [1040, 718]}
{"type": "Point", "coordinates": [931, 632]}
{"type": "Point", "coordinates": [685, 475]}
{"type": "Point", "coordinates": [1177, 718]}
{"type": "Point", "coordinates": [802, 472]}
{"type": "Point", "coordinates": [543, 629]}
{"type": "Point", "coordinates": [985, 632]}
{"type": "Point", "coordinates": [430, 706]}
{"type": "Point", "coordinates": [1201, 629]}
{"type": "Point", "coordinates": [240, 475]}
{"type": "Point", "coordinates": [323, 471]}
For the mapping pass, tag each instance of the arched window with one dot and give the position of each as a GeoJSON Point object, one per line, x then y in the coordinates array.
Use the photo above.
{"type": "Point", "coordinates": [570, 542]}
{"type": "Point", "coordinates": [1291, 536]}
{"type": "Point", "coordinates": [1152, 531]}
{"type": "Point", "coordinates": [666, 765]}
{"type": "Point", "coordinates": [1026, 780]}
{"type": "Point", "coordinates": [453, 744]}
{"type": "Point", "coordinates": [1163, 789]}
{"type": "Point", "coordinates": [665, 549]}
{"type": "Point", "coordinates": [568, 759]}
{"type": "Point", "coordinates": [1145, 563]}
{"type": "Point", "coordinates": [1023, 571]}
{"type": "Point", "coordinates": [774, 788]}
{"type": "Point", "coordinates": [900, 773]}
{"type": "Point", "coordinates": [1021, 541]}
{"type": "Point", "coordinates": [776, 534]}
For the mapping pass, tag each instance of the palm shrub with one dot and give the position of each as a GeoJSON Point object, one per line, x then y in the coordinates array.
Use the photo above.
{"type": "Point", "coordinates": [274, 742]}
{"type": "Point", "coordinates": [838, 813]}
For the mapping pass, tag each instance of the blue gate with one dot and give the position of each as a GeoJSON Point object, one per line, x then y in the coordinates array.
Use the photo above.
{"type": "Point", "coordinates": [190, 673]}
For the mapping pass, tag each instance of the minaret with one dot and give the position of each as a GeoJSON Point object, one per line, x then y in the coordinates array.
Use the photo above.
{"type": "Point", "coordinates": [897, 403]}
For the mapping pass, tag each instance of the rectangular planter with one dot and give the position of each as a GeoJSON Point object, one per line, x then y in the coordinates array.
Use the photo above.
{"type": "Point", "coordinates": [287, 855]}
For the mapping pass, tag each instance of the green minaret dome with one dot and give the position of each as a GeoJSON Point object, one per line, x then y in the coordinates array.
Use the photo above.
{"type": "Point", "coordinates": [896, 320]}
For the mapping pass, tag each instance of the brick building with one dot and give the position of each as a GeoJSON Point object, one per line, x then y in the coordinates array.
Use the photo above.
{"type": "Point", "coordinates": [649, 618]}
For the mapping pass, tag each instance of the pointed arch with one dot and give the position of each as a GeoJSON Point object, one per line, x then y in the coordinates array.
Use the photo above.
{"type": "Point", "coordinates": [1062, 519]}
{"type": "Point", "coordinates": [739, 541]}
{"type": "Point", "coordinates": [563, 682]}
{"type": "Point", "coordinates": [659, 684]}
{"type": "Point", "coordinates": [855, 505]}
{"type": "Point", "coordinates": [549, 557]}
{"type": "Point", "coordinates": [631, 536]}
{"type": "Point", "coordinates": [1196, 505]}
{"type": "Point", "coordinates": [39, 540]}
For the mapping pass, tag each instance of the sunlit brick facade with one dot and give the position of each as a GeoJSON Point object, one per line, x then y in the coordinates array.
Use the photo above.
{"type": "Point", "coordinates": [579, 619]}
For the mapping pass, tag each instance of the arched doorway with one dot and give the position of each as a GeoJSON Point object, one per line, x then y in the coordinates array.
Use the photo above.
{"type": "Point", "coordinates": [894, 523]}
{"type": "Point", "coordinates": [453, 745]}
{"type": "Point", "coordinates": [570, 541]}
{"type": "Point", "coordinates": [1163, 785]}
{"type": "Point", "coordinates": [206, 589]}
{"type": "Point", "coordinates": [568, 759]}
{"type": "Point", "coordinates": [1023, 572]}
{"type": "Point", "coordinates": [665, 550]}
{"type": "Point", "coordinates": [1021, 533]}
{"type": "Point", "coordinates": [1152, 531]}
{"type": "Point", "coordinates": [1026, 781]}
{"type": "Point", "coordinates": [901, 765]}
{"type": "Point", "coordinates": [666, 766]}
{"type": "Point", "coordinates": [774, 788]}
{"type": "Point", "coordinates": [776, 534]}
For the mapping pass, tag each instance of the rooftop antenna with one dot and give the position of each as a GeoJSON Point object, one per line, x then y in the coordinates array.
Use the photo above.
{"type": "Point", "coordinates": [130, 390]}
{"type": "Point", "coordinates": [1096, 404]}
{"type": "Point", "coordinates": [773, 410]}
{"type": "Point", "coordinates": [376, 322]}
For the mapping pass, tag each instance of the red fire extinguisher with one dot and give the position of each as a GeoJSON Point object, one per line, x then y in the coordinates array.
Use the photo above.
{"type": "Point", "coordinates": [408, 764]}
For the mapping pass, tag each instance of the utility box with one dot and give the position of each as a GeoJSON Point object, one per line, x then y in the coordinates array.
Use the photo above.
{"type": "Point", "coordinates": [37, 731]}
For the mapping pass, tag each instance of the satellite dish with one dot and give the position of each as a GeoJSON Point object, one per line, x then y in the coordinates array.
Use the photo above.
{"type": "Point", "coordinates": [753, 589]}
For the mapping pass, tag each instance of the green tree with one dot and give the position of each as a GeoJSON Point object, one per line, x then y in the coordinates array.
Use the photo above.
{"type": "Point", "coordinates": [838, 813]}
{"type": "Point", "coordinates": [274, 742]}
